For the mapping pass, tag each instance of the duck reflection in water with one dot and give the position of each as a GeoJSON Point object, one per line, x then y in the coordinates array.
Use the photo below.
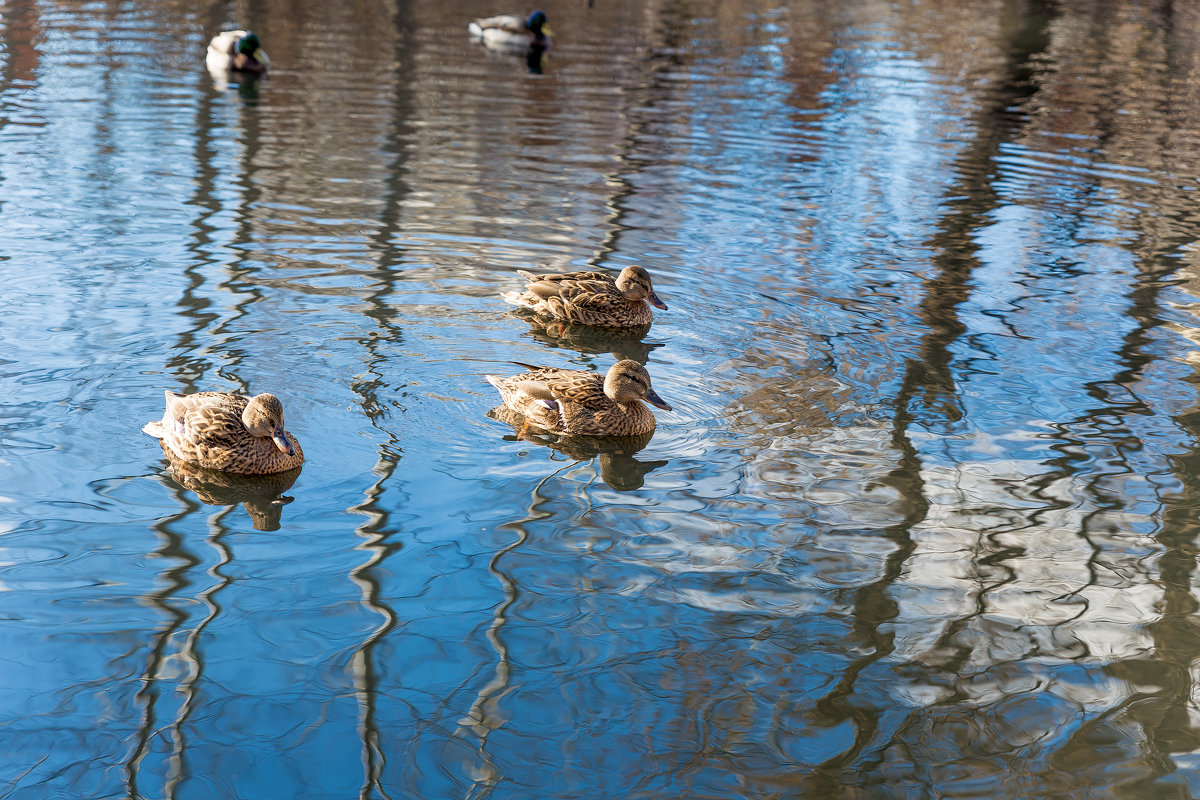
{"type": "Point", "coordinates": [614, 455]}
{"type": "Point", "coordinates": [534, 56]}
{"type": "Point", "coordinates": [261, 495]}
{"type": "Point", "coordinates": [246, 83]}
{"type": "Point", "coordinates": [623, 343]}
{"type": "Point", "coordinates": [533, 60]}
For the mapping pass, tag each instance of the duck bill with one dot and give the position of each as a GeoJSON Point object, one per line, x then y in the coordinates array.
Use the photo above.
{"type": "Point", "coordinates": [654, 301]}
{"type": "Point", "coordinates": [653, 399]}
{"type": "Point", "coordinates": [282, 442]}
{"type": "Point", "coordinates": [547, 32]}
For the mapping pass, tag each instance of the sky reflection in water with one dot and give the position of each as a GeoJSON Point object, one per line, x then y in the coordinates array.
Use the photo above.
{"type": "Point", "coordinates": [919, 525]}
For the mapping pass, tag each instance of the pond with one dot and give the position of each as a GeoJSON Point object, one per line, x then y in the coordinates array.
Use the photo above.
{"type": "Point", "coordinates": [922, 521]}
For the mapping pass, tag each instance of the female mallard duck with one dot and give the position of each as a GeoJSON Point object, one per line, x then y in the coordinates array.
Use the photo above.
{"type": "Point", "coordinates": [228, 432]}
{"type": "Point", "coordinates": [578, 402]}
{"type": "Point", "coordinates": [510, 31]}
{"type": "Point", "coordinates": [238, 51]}
{"type": "Point", "coordinates": [590, 298]}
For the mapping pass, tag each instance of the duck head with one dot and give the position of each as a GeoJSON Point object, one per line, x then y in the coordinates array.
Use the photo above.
{"type": "Point", "coordinates": [537, 23]}
{"type": "Point", "coordinates": [263, 417]}
{"type": "Point", "coordinates": [634, 283]}
{"type": "Point", "coordinates": [249, 46]}
{"type": "Point", "coordinates": [628, 381]}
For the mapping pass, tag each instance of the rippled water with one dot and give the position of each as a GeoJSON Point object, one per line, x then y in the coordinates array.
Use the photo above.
{"type": "Point", "coordinates": [923, 522]}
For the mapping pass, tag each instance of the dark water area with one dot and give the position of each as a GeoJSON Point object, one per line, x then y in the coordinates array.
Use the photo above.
{"type": "Point", "coordinates": [922, 523]}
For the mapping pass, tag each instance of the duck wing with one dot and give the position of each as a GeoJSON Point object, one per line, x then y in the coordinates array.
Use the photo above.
{"type": "Point", "coordinates": [573, 287]}
{"type": "Point", "coordinates": [209, 417]}
{"type": "Point", "coordinates": [564, 385]}
{"type": "Point", "coordinates": [560, 277]}
{"type": "Point", "coordinates": [510, 23]}
{"type": "Point", "coordinates": [213, 426]}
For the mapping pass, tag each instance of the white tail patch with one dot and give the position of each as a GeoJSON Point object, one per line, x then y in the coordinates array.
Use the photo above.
{"type": "Point", "coordinates": [514, 298]}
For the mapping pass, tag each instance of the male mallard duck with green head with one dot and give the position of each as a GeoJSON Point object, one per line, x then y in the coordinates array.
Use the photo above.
{"type": "Point", "coordinates": [510, 31]}
{"type": "Point", "coordinates": [237, 51]}
{"type": "Point", "coordinates": [579, 402]}
{"type": "Point", "coordinates": [228, 432]}
{"type": "Point", "coordinates": [590, 298]}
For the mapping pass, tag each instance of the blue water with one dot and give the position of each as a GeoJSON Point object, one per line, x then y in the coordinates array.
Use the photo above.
{"type": "Point", "coordinates": [922, 522]}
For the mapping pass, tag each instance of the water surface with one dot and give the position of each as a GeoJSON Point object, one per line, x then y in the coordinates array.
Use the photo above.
{"type": "Point", "coordinates": [922, 522]}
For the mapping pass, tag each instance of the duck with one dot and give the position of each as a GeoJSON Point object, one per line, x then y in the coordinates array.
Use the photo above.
{"type": "Point", "coordinates": [590, 298]}
{"type": "Point", "coordinates": [580, 402]}
{"type": "Point", "coordinates": [509, 31]}
{"type": "Point", "coordinates": [227, 432]}
{"type": "Point", "coordinates": [236, 51]}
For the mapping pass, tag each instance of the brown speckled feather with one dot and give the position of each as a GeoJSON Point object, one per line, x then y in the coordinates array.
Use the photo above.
{"type": "Point", "coordinates": [566, 277]}
{"type": "Point", "coordinates": [207, 429]}
{"type": "Point", "coordinates": [584, 298]}
{"type": "Point", "coordinates": [573, 402]}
